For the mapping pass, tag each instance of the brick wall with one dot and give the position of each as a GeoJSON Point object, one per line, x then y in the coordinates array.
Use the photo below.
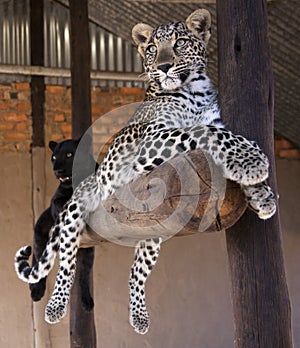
{"type": "Point", "coordinates": [107, 103]}
{"type": "Point", "coordinates": [112, 106]}
{"type": "Point", "coordinates": [15, 111]}
{"type": "Point", "coordinates": [285, 149]}
{"type": "Point", "coordinates": [15, 120]}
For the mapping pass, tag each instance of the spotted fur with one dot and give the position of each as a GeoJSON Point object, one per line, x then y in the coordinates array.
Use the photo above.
{"type": "Point", "coordinates": [180, 113]}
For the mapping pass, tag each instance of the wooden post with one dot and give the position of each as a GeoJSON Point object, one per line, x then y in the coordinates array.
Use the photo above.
{"type": "Point", "coordinates": [82, 325]}
{"type": "Point", "coordinates": [37, 82]}
{"type": "Point", "coordinates": [260, 297]}
{"type": "Point", "coordinates": [37, 86]}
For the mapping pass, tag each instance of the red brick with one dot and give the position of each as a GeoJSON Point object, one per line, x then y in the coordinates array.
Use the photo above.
{"type": "Point", "coordinates": [22, 86]}
{"type": "Point", "coordinates": [6, 95]}
{"type": "Point", "coordinates": [8, 104]}
{"type": "Point", "coordinates": [283, 144]}
{"type": "Point", "coordinates": [289, 153]}
{"type": "Point", "coordinates": [12, 117]}
{"type": "Point", "coordinates": [23, 106]}
{"type": "Point", "coordinates": [22, 126]}
{"type": "Point", "coordinates": [64, 108]}
{"type": "Point", "coordinates": [96, 110]}
{"type": "Point", "coordinates": [132, 90]}
{"type": "Point", "coordinates": [15, 136]}
{"type": "Point", "coordinates": [59, 118]}
{"type": "Point", "coordinates": [23, 95]}
{"type": "Point", "coordinates": [56, 137]}
{"type": "Point", "coordinates": [66, 128]}
{"type": "Point", "coordinates": [58, 90]}
{"type": "Point", "coordinates": [6, 126]}
{"type": "Point", "coordinates": [5, 87]}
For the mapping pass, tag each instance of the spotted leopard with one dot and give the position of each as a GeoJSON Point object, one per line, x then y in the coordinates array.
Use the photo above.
{"type": "Point", "coordinates": [180, 113]}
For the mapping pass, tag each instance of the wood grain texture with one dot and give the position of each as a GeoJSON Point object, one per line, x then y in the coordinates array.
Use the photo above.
{"type": "Point", "coordinates": [261, 306]}
{"type": "Point", "coordinates": [186, 196]}
{"type": "Point", "coordinates": [82, 323]}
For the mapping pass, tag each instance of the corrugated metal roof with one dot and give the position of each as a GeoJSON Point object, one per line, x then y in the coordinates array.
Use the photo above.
{"type": "Point", "coordinates": [119, 16]}
{"type": "Point", "coordinates": [284, 28]}
{"type": "Point", "coordinates": [109, 52]}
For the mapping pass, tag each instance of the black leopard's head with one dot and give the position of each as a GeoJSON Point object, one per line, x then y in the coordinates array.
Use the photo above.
{"type": "Point", "coordinates": [173, 52]}
{"type": "Point", "coordinates": [62, 159]}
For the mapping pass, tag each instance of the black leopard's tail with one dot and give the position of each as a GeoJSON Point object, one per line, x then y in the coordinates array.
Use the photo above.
{"type": "Point", "coordinates": [42, 268]}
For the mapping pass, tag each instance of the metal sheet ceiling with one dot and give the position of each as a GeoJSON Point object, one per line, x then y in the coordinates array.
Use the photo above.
{"type": "Point", "coordinates": [119, 16]}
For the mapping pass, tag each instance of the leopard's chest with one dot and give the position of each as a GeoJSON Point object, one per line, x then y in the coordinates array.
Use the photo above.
{"type": "Point", "coordinates": [173, 112]}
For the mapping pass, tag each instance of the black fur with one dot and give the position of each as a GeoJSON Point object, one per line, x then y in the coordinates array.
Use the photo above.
{"type": "Point", "coordinates": [62, 162]}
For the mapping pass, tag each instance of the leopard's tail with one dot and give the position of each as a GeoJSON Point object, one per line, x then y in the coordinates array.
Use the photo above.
{"type": "Point", "coordinates": [42, 268]}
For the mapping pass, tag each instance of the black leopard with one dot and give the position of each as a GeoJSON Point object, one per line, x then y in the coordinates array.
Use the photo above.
{"type": "Point", "coordinates": [62, 163]}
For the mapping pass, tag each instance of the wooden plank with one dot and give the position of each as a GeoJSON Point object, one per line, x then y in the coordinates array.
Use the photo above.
{"type": "Point", "coordinates": [261, 306]}
{"type": "Point", "coordinates": [82, 325]}
{"type": "Point", "coordinates": [15, 69]}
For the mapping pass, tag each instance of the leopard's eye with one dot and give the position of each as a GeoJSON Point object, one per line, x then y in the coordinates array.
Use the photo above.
{"type": "Point", "coordinates": [69, 154]}
{"type": "Point", "coordinates": [181, 43]}
{"type": "Point", "coordinates": [152, 48]}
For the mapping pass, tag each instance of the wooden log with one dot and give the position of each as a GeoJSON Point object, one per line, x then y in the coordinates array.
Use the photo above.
{"type": "Point", "coordinates": [185, 196]}
{"type": "Point", "coordinates": [261, 307]}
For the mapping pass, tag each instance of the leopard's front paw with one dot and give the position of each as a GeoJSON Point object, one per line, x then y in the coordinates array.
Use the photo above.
{"type": "Point", "coordinates": [140, 321]}
{"type": "Point", "coordinates": [261, 199]}
{"type": "Point", "coordinates": [265, 209]}
{"type": "Point", "coordinates": [246, 168]}
{"type": "Point", "coordinates": [55, 310]}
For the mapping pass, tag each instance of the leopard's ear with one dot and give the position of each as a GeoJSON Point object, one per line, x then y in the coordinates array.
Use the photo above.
{"type": "Point", "coordinates": [141, 34]}
{"type": "Point", "coordinates": [52, 145]}
{"type": "Point", "coordinates": [199, 23]}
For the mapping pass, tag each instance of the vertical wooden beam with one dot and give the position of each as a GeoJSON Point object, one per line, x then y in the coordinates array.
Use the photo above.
{"type": "Point", "coordinates": [260, 297]}
{"type": "Point", "coordinates": [80, 67]}
{"type": "Point", "coordinates": [41, 332]}
{"type": "Point", "coordinates": [82, 325]}
{"type": "Point", "coordinates": [37, 82]}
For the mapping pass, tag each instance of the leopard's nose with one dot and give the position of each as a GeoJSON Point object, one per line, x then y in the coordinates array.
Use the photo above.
{"type": "Point", "coordinates": [164, 67]}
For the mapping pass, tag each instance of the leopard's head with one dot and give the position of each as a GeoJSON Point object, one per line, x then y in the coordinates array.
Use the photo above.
{"type": "Point", "coordinates": [173, 52]}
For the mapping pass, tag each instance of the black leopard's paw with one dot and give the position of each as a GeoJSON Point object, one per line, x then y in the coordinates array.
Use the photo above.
{"type": "Point", "coordinates": [37, 290]}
